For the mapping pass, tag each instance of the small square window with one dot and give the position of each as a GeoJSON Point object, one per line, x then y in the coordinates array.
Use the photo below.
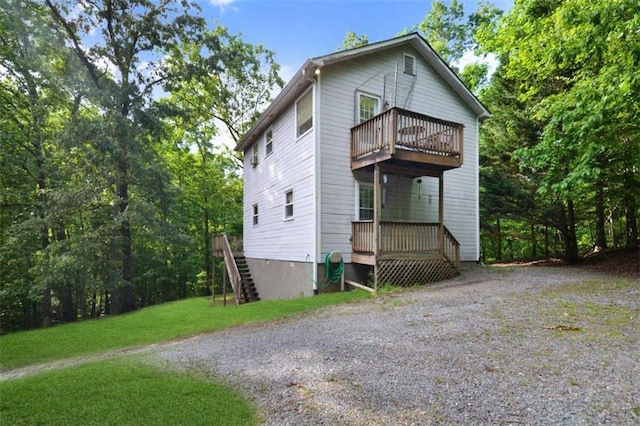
{"type": "Point", "coordinates": [268, 141]}
{"type": "Point", "coordinates": [255, 215]}
{"type": "Point", "coordinates": [288, 204]}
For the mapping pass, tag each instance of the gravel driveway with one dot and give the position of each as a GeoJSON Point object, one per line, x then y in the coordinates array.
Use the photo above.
{"type": "Point", "coordinates": [493, 346]}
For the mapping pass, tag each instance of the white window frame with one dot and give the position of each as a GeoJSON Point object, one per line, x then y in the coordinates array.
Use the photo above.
{"type": "Point", "coordinates": [309, 93]}
{"type": "Point", "coordinates": [268, 141]}
{"type": "Point", "coordinates": [404, 64]}
{"type": "Point", "coordinates": [288, 205]}
{"type": "Point", "coordinates": [359, 96]}
{"type": "Point", "coordinates": [362, 185]}
{"type": "Point", "coordinates": [254, 210]}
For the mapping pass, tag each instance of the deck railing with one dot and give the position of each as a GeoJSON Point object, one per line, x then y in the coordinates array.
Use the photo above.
{"type": "Point", "coordinates": [405, 238]}
{"type": "Point", "coordinates": [403, 129]}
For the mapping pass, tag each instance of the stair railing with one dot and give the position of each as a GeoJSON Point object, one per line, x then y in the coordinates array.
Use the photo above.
{"type": "Point", "coordinates": [221, 245]}
{"type": "Point", "coordinates": [451, 249]}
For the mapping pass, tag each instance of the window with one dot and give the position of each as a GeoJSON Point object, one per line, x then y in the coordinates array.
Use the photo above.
{"type": "Point", "coordinates": [368, 106]}
{"type": "Point", "coordinates": [365, 201]}
{"type": "Point", "coordinates": [304, 113]}
{"type": "Point", "coordinates": [268, 141]}
{"type": "Point", "coordinates": [255, 215]}
{"type": "Point", "coordinates": [254, 155]}
{"type": "Point", "coordinates": [288, 204]}
{"type": "Point", "coordinates": [409, 64]}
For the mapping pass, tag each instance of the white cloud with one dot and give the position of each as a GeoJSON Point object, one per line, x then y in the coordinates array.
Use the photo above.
{"type": "Point", "coordinates": [469, 57]}
{"type": "Point", "coordinates": [223, 5]}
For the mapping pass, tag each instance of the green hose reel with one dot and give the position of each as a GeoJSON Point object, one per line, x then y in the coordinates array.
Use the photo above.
{"type": "Point", "coordinates": [333, 275]}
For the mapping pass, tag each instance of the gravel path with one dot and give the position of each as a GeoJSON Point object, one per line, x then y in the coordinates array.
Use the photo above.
{"type": "Point", "coordinates": [493, 346]}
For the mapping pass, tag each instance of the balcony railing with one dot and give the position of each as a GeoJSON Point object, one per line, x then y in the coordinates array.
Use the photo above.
{"type": "Point", "coordinates": [397, 128]}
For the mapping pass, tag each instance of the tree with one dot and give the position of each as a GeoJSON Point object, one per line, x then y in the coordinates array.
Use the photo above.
{"type": "Point", "coordinates": [451, 34]}
{"type": "Point", "coordinates": [579, 88]}
{"type": "Point", "coordinates": [36, 99]}
{"type": "Point", "coordinates": [127, 32]}
{"type": "Point", "coordinates": [353, 40]}
{"type": "Point", "coordinates": [216, 94]}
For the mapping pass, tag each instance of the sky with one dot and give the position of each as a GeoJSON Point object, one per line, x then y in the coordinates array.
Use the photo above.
{"type": "Point", "coordinates": [297, 30]}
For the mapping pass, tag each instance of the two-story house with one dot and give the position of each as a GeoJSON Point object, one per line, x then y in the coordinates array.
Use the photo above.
{"type": "Point", "coordinates": [370, 152]}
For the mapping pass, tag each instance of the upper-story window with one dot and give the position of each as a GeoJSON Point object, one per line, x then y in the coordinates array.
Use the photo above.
{"type": "Point", "coordinates": [268, 141]}
{"type": "Point", "coordinates": [254, 155]}
{"type": "Point", "coordinates": [304, 113]}
{"type": "Point", "coordinates": [368, 106]}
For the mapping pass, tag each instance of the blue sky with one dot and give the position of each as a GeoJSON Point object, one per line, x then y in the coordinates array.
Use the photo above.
{"type": "Point", "coordinates": [300, 29]}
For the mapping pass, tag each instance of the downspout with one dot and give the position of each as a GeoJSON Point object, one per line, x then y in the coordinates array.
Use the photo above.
{"type": "Point", "coordinates": [315, 81]}
{"type": "Point", "coordinates": [477, 189]}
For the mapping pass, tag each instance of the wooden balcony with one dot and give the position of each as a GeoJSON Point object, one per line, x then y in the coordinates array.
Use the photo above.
{"type": "Point", "coordinates": [397, 240]}
{"type": "Point", "coordinates": [407, 138]}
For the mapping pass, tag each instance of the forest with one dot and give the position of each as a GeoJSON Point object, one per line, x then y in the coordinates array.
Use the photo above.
{"type": "Point", "coordinates": [114, 175]}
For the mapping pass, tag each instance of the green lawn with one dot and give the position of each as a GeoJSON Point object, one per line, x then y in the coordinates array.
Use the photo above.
{"type": "Point", "coordinates": [150, 325]}
{"type": "Point", "coordinates": [126, 390]}
{"type": "Point", "coordinates": [122, 391]}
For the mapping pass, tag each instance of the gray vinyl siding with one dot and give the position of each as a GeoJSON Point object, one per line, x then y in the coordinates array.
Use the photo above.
{"type": "Point", "coordinates": [429, 95]}
{"type": "Point", "coordinates": [289, 166]}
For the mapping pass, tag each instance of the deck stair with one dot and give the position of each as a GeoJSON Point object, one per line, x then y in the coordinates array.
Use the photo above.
{"type": "Point", "coordinates": [237, 269]}
{"type": "Point", "coordinates": [248, 290]}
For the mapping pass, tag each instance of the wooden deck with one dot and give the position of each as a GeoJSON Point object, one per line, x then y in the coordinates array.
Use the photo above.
{"type": "Point", "coordinates": [403, 241]}
{"type": "Point", "coordinates": [407, 137]}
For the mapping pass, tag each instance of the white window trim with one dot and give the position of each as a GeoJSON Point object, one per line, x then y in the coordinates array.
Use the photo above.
{"type": "Point", "coordinates": [255, 212]}
{"type": "Point", "coordinates": [292, 204]}
{"type": "Point", "coordinates": [368, 95]}
{"type": "Point", "coordinates": [357, 198]}
{"type": "Point", "coordinates": [267, 143]}
{"type": "Point", "coordinates": [313, 121]}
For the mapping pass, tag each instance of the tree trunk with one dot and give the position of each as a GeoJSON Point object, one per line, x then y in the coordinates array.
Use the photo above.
{"type": "Point", "coordinates": [122, 191]}
{"type": "Point", "coordinates": [569, 237]}
{"type": "Point", "coordinates": [499, 245]}
{"type": "Point", "coordinates": [601, 236]}
{"type": "Point", "coordinates": [547, 252]}
{"type": "Point", "coordinates": [632, 223]}
{"type": "Point", "coordinates": [207, 248]}
{"type": "Point", "coordinates": [534, 245]}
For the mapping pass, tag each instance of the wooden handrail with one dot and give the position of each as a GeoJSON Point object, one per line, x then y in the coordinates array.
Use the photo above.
{"type": "Point", "coordinates": [451, 248]}
{"type": "Point", "coordinates": [221, 244]}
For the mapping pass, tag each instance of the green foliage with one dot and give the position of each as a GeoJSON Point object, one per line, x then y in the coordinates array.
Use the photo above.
{"type": "Point", "coordinates": [150, 325]}
{"type": "Point", "coordinates": [353, 40]}
{"type": "Point", "coordinates": [109, 196]}
{"type": "Point", "coordinates": [123, 391]}
{"type": "Point", "coordinates": [565, 115]}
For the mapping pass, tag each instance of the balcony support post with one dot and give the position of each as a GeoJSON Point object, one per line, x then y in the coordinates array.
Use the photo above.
{"type": "Point", "coordinates": [441, 212]}
{"type": "Point", "coordinates": [377, 205]}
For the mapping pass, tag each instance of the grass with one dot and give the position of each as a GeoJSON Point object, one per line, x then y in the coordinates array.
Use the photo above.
{"type": "Point", "coordinates": [121, 391]}
{"type": "Point", "coordinates": [150, 325]}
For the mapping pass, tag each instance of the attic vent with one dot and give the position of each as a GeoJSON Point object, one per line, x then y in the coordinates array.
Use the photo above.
{"type": "Point", "coordinates": [409, 64]}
